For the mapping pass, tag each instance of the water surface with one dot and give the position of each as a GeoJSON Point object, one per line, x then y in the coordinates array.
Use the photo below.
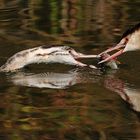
{"type": "Point", "coordinates": [64, 102]}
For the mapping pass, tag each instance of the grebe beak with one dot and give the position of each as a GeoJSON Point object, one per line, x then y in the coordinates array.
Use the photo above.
{"type": "Point", "coordinates": [77, 55]}
{"type": "Point", "coordinates": [119, 47]}
{"type": "Point", "coordinates": [80, 56]}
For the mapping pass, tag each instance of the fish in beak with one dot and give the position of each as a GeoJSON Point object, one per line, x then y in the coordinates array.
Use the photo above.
{"type": "Point", "coordinates": [119, 47]}
{"type": "Point", "coordinates": [109, 64]}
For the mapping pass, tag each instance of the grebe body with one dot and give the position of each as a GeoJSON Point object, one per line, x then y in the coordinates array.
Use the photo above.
{"type": "Point", "coordinates": [43, 54]}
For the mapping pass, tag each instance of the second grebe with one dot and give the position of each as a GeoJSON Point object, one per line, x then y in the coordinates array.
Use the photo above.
{"type": "Point", "coordinates": [130, 41]}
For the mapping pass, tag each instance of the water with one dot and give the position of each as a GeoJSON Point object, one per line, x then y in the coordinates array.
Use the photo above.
{"type": "Point", "coordinates": [64, 102]}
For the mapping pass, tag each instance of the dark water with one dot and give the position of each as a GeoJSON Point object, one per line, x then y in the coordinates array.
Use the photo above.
{"type": "Point", "coordinates": [61, 102]}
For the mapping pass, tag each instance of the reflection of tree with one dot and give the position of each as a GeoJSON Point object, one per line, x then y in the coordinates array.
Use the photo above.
{"type": "Point", "coordinates": [64, 20]}
{"type": "Point", "coordinates": [76, 22]}
{"type": "Point", "coordinates": [77, 112]}
{"type": "Point", "coordinates": [61, 114]}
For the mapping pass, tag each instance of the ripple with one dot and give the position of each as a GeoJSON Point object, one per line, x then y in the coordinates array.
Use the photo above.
{"type": "Point", "coordinates": [58, 102]}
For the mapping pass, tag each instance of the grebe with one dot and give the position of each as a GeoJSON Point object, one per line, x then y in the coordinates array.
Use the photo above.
{"type": "Point", "coordinates": [130, 41]}
{"type": "Point", "coordinates": [43, 54]}
{"type": "Point", "coordinates": [47, 80]}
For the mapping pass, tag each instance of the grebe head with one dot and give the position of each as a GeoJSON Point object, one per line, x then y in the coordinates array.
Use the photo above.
{"type": "Point", "coordinates": [130, 41]}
